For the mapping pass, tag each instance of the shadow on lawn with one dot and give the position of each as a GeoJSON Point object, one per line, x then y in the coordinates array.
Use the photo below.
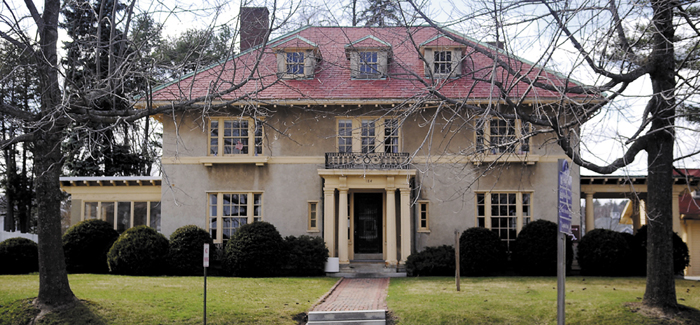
{"type": "Point", "coordinates": [22, 312]}
{"type": "Point", "coordinates": [681, 315]}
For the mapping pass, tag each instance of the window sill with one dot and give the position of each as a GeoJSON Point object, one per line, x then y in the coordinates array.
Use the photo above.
{"type": "Point", "coordinates": [523, 158]}
{"type": "Point", "coordinates": [310, 230]}
{"type": "Point", "coordinates": [425, 231]}
{"type": "Point", "coordinates": [243, 159]}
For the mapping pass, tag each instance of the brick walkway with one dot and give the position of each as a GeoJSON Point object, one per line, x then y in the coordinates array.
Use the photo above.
{"type": "Point", "coordinates": [356, 294]}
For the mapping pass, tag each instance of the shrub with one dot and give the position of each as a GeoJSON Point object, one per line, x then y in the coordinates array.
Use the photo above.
{"type": "Point", "coordinates": [432, 261]}
{"type": "Point", "coordinates": [480, 252]}
{"type": "Point", "coordinates": [306, 255]}
{"type": "Point", "coordinates": [18, 256]}
{"type": "Point", "coordinates": [255, 250]}
{"type": "Point", "coordinates": [603, 252]}
{"type": "Point", "coordinates": [535, 249]}
{"type": "Point", "coordinates": [681, 258]}
{"type": "Point", "coordinates": [187, 250]}
{"type": "Point", "coordinates": [86, 245]}
{"type": "Point", "coordinates": [138, 251]}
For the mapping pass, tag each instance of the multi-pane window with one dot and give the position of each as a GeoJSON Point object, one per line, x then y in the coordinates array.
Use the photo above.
{"type": "Point", "coordinates": [368, 63]}
{"type": "Point", "coordinates": [504, 213]}
{"type": "Point", "coordinates": [497, 136]}
{"type": "Point", "coordinates": [442, 62]}
{"type": "Point", "coordinates": [295, 63]}
{"type": "Point", "coordinates": [235, 136]}
{"type": "Point", "coordinates": [313, 216]}
{"type": "Point", "coordinates": [391, 135]}
{"type": "Point", "coordinates": [229, 211]}
{"type": "Point", "coordinates": [368, 135]}
{"type": "Point", "coordinates": [344, 135]}
{"type": "Point", "coordinates": [126, 215]}
{"type": "Point", "coordinates": [423, 216]}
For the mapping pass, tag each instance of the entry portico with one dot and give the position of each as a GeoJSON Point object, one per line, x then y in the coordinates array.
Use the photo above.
{"type": "Point", "coordinates": [365, 203]}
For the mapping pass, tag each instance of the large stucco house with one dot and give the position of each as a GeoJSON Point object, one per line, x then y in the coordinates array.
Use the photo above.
{"type": "Point", "coordinates": [336, 139]}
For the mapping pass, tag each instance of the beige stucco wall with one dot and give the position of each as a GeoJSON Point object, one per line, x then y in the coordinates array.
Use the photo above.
{"type": "Point", "coordinates": [288, 184]}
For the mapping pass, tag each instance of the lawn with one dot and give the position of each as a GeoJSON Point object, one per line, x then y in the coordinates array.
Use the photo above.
{"type": "Point", "coordinates": [525, 300]}
{"type": "Point", "coordinates": [113, 299]}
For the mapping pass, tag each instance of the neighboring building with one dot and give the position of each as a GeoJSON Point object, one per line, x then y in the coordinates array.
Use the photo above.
{"type": "Point", "coordinates": [335, 146]}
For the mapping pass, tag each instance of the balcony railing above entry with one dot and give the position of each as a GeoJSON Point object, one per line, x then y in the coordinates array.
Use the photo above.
{"type": "Point", "coordinates": [374, 160]}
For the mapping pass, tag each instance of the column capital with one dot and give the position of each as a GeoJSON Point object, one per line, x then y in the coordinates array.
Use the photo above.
{"type": "Point", "coordinates": [329, 191]}
{"type": "Point", "coordinates": [343, 189]}
{"type": "Point", "coordinates": [405, 190]}
{"type": "Point", "coordinates": [589, 195]}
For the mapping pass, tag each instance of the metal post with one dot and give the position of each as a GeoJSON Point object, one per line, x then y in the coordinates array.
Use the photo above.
{"type": "Point", "coordinates": [561, 280]}
{"type": "Point", "coordinates": [205, 296]}
{"type": "Point", "coordinates": [457, 259]}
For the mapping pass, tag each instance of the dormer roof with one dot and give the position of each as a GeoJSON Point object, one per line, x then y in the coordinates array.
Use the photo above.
{"type": "Point", "coordinates": [441, 40]}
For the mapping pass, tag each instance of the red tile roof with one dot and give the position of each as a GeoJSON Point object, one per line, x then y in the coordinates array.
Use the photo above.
{"type": "Point", "coordinates": [332, 79]}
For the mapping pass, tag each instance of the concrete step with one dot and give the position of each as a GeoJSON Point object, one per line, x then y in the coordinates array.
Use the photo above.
{"type": "Point", "coordinates": [368, 269]}
{"type": "Point", "coordinates": [367, 275]}
{"type": "Point", "coordinates": [347, 317]}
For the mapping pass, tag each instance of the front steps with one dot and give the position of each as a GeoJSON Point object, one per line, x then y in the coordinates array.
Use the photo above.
{"type": "Point", "coordinates": [356, 317]}
{"type": "Point", "coordinates": [369, 269]}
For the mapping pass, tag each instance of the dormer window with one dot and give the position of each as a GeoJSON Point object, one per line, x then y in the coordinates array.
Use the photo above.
{"type": "Point", "coordinates": [295, 63]}
{"type": "Point", "coordinates": [442, 62]}
{"type": "Point", "coordinates": [369, 58]}
{"type": "Point", "coordinates": [368, 63]}
{"type": "Point", "coordinates": [297, 58]}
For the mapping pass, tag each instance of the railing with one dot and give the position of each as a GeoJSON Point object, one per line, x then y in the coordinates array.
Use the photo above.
{"type": "Point", "coordinates": [375, 160]}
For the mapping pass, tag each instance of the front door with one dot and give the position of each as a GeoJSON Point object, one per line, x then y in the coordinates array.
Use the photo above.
{"type": "Point", "coordinates": [368, 225]}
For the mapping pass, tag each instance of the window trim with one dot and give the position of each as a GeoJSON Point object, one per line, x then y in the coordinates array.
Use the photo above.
{"type": "Point", "coordinates": [313, 209]}
{"type": "Point", "coordinates": [421, 204]}
{"type": "Point", "coordinates": [310, 61]}
{"type": "Point", "coordinates": [250, 210]}
{"type": "Point", "coordinates": [253, 146]}
{"type": "Point", "coordinates": [482, 147]}
{"type": "Point", "coordinates": [519, 215]}
{"type": "Point", "coordinates": [379, 134]}
{"type": "Point", "coordinates": [355, 56]}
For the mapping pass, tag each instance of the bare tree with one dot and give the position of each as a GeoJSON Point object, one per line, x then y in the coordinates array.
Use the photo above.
{"type": "Point", "coordinates": [77, 106]}
{"type": "Point", "coordinates": [612, 45]}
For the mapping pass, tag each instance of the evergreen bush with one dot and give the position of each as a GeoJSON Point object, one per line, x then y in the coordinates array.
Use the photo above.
{"type": "Point", "coordinates": [86, 244]}
{"type": "Point", "coordinates": [138, 251]}
{"type": "Point", "coordinates": [187, 250]}
{"type": "Point", "coordinates": [604, 252]}
{"type": "Point", "coordinates": [255, 250]}
{"type": "Point", "coordinates": [432, 261]}
{"type": "Point", "coordinates": [306, 255]}
{"type": "Point", "coordinates": [18, 256]}
{"type": "Point", "coordinates": [481, 252]}
{"type": "Point", "coordinates": [535, 249]}
{"type": "Point", "coordinates": [681, 257]}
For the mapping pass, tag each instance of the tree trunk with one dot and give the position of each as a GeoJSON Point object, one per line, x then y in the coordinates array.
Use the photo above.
{"type": "Point", "coordinates": [54, 289]}
{"type": "Point", "coordinates": [661, 290]}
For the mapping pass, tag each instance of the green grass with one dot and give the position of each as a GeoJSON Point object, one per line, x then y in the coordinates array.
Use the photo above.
{"type": "Point", "coordinates": [527, 300]}
{"type": "Point", "coordinates": [112, 299]}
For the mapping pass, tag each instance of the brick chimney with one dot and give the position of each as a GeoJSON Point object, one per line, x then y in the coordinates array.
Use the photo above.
{"type": "Point", "coordinates": [254, 24]}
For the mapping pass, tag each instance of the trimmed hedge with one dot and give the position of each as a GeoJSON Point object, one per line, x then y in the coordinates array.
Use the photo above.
{"type": "Point", "coordinates": [138, 251]}
{"type": "Point", "coordinates": [535, 249]}
{"type": "Point", "coordinates": [187, 250]}
{"type": "Point", "coordinates": [255, 250]}
{"type": "Point", "coordinates": [432, 261]}
{"type": "Point", "coordinates": [306, 255]}
{"type": "Point", "coordinates": [86, 245]}
{"type": "Point", "coordinates": [481, 252]}
{"type": "Point", "coordinates": [604, 252]}
{"type": "Point", "coordinates": [18, 256]}
{"type": "Point", "coordinates": [681, 257]}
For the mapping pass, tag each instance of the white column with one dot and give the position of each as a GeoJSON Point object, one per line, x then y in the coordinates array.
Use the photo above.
{"type": "Point", "coordinates": [343, 226]}
{"type": "Point", "coordinates": [405, 224]}
{"type": "Point", "coordinates": [329, 220]}
{"type": "Point", "coordinates": [391, 226]}
{"type": "Point", "coordinates": [590, 218]}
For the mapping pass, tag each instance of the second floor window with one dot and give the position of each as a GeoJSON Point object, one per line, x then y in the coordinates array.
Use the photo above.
{"type": "Point", "coordinates": [368, 135]}
{"type": "Point", "coordinates": [235, 136]}
{"type": "Point", "coordinates": [498, 136]}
